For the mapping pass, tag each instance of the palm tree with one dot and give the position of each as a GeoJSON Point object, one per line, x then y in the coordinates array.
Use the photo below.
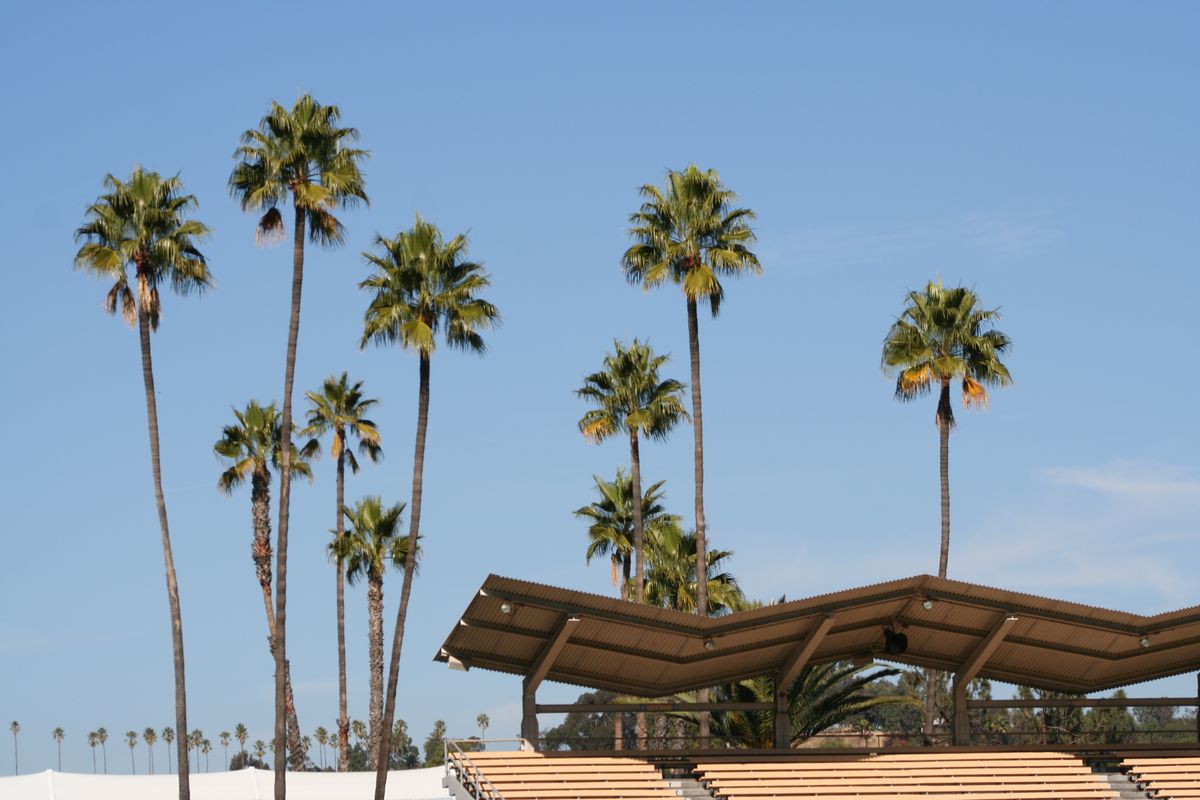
{"type": "Point", "coordinates": [93, 740]}
{"type": "Point", "coordinates": [224, 736]}
{"type": "Point", "coordinates": [15, 728]}
{"type": "Point", "coordinates": [168, 735]}
{"type": "Point", "coordinates": [195, 738]}
{"type": "Point", "coordinates": [301, 153]}
{"type": "Point", "coordinates": [370, 546]}
{"type": "Point", "coordinates": [138, 224]}
{"type": "Point", "coordinates": [58, 735]}
{"type": "Point", "coordinates": [671, 577]}
{"type": "Point", "coordinates": [260, 749]}
{"type": "Point", "coordinates": [102, 738]}
{"type": "Point", "coordinates": [482, 721]}
{"type": "Point", "coordinates": [322, 737]}
{"type": "Point", "coordinates": [339, 408]}
{"type": "Point", "coordinates": [251, 446]}
{"type": "Point", "coordinates": [632, 399]}
{"type": "Point", "coordinates": [131, 739]}
{"type": "Point", "coordinates": [688, 234]}
{"type": "Point", "coordinates": [942, 335]}
{"type": "Point", "coordinates": [149, 737]}
{"type": "Point", "coordinates": [241, 734]}
{"type": "Point", "coordinates": [422, 284]}
{"type": "Point", "coordinates": [611, 530]}
{"type": "Point", "coordinates": [206, 748]}
{"type": "Point", "coordinates": [358, 729]}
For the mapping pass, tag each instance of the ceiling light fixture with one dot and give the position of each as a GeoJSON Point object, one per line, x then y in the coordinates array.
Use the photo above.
{"type": "Point", "coordinates": [710, 645]}
{"type": "Point", "coordinates": [927, 604]}
{"type": "Point", "coordinates": [1144, 642]}
{"type": "Point", "coordinates": [506, 607]}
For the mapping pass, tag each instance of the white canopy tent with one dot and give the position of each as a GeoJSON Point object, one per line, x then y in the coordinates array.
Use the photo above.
{"type": "Point", "coordinates": [247, 784]}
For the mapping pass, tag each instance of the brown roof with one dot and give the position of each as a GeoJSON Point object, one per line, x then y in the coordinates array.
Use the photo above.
{"type": "Point", "coordinates": [637, 649]}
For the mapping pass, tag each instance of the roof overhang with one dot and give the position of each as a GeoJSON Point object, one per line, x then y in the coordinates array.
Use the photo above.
{"type": "Point", "coordinates": [950, 625]}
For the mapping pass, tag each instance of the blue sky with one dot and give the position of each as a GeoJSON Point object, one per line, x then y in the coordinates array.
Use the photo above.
{"type": "Point", "coordinates": [1044, 154]}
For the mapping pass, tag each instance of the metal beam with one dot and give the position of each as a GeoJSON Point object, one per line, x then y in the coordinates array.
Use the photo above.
{"type": "Point", "coordinates": [976, 661]}
{"type": "Point", "coordinates": [537, 673]}
{"type": "Point", "coordinates": [608, 708]}
{"type": "Point", "coordinates": [789, 672]}
{"type": "Point", "coordinates": [1085, 702]}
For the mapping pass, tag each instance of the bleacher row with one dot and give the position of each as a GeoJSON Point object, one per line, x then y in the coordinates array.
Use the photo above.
{"type": "Point", "coordinates": [893, 776]}
{"type": "Point", "coordinates": [1165, 777]}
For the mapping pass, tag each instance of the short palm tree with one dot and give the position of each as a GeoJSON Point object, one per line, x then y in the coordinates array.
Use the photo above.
{"type": "Point", "coordinates": [671, 578]}
{"type": "Point", "coordinates": [168, 735]}
{"type": "Point", "coordinates": [138, 225]}
{"type": "Point", "coordinates": [612, 523]}
{"type": "Point", "coordinates": [131, 739]}
{"type": "Point", "coordinates": [93, 740]}
{"type": "Point", "coordinates": [688, 234]}
{"type": "Point", "coordinates": [371, 545]}
{"type": "Point", "coordinates": [340, 409]}
{"type": "Point", "coordinates": [250, 447]}
{"type": "Point", "coordinates": [150, 737]}
{"type": "Point", "coordinates": [58, 735]}
{"type": "Point", "coordinates": [631, 398]}
{"type": "Point", "coordinates": [260, 749]}
{"type": "Point", "coordinates": [303, 154]}
{"type": "Point", "coordinates": [15, 728]}
{"type": "Point", "coordinates": [943, 335]}
{"type": "Point", "coordinates": [422, 286]}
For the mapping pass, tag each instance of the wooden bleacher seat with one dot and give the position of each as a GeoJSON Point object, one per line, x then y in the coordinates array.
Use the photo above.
{"type": "Point", "coordinates": [1170, 776]}
{"type": "Point", "coordinates": [537, 776]}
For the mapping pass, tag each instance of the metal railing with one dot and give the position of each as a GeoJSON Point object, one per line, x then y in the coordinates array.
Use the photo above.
{"type": "Point", "coordinates": [467, 773]}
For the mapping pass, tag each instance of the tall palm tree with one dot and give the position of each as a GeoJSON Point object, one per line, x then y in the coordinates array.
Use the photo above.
{"type": "Point", "coordinates": [205, 748]}
{"type": "Point", "coordinates": [149, 737]}
{"type": "Point", "coordinates": [15, 728]}
{"type": "Point", "coordinates": [322, 737]}
{"type": "Point", "coordinates": [93, 740]}
{"type": "Point", "coordinates": [482, 721]}
{"type": "Point", "coordinates": [423, 285]}
{"type": "Point", "coordinates": [631, 398]}
{"type": "Point", "coordinates": [131, 739]}
{"type": "Point", "coordinates": [688, 233]}
{"type": "Point", "coordinates": [372, 544]}
{"type": "Point", "coordinates": [225, 744]}
{"type": "Point", "coordinates": [611, 530]}
{"type": "Point", "coordinates": [260, 749]}
{"type": "Point", "coordinates": [671, 578]}
{"type": "Point", "coordinates": [58, 735]}
{"type": "Point", "coordinates": [941, 336]}
{"type": "Point", "coordinates": [358, 729]}
{"type": "Point", "coordinates": [250, 447]}
{"type": "Point", "coordinates": [139, 224]}
{"type": "Point", "coordinates": [241, 734]}
{"type": "Point", "coordinates": [304, 154]}
{"type": "Point", "coordinates": [168, 735]}
{"type": "Point", "coordinates": [339, 408]}
{"type": "Point", "coordinates": [102, 738]}
{"type": "Point", "coordinates": [194, 740]}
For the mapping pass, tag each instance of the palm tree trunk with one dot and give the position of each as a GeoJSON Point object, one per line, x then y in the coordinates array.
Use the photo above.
{"type": "Point", "coordinates": [639, 581]}
{"type": "Point", "coordinates": [343, 716]}
{"type": "Point", "coordinates": [285, 499]}
{"type": "Point", "coordinates": [168, 558]}
{"type": "Point", "coordinates": [945, 420]}
{"type": "Point", "coordinates": [626, 567]}
{"type": "Point", "coordinates": [410, 564]}
{"type": "Point", "coordinates": [701, 542]}
{"type": "Point", "coordinates": [375, 639]}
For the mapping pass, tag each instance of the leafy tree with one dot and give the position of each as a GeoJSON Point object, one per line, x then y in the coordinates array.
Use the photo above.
{"type": "Point", "coordinates": [244, 760]}
{"type": "Point", "coordinates": [687, 233]}
{"type": "Point", "coordinates": [941, 336]}
{"type": "Point", "coordinates": [370, 546]}
{"type": "Point", "coordinates": [138, 224]}
{"type": "Point", "coordinates": [611, 530]}
{"type": "Point", "coordinates": [423, 286]}
{"type": "Point", "coordinates": [304, 154]}
{"type": "Point", "coordinates": [586, 730]}
{"type": "Point", "coordinates": [358, 729]}
{"type": "Point", "coordinates": [671, 579]}
{"type": "Point", "coordinates": [631, 398]}
{"type": "Point", "coordinates": [241, 734]}
{"type": "Point", "coordinates": [150, 737]}
{"type": "Point", "coordinates": [58, 735]}
{"type": "Point", "coordinates": [250, 447]}
{"type": "Point", "coordinates": [260, 749]}
{"type": "Point", "coordinates": [1110, 725]}
{"type": "Point", "coordinates": [339, 408]}
{"type": "Point", "coordinates": [434, 744]}
{"type": "Point", "coordinates": [404, 753]}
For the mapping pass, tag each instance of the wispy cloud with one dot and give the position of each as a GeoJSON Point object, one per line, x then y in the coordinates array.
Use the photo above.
{"type": "Point", "coordinates": [1001, 235]}
{"type": "Point", "coordinates": [1128, 479]}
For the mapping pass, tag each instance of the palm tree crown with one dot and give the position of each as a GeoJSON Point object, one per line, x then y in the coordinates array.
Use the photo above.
{"type": "Point", "coordinates": [671, 577]}
{"type": "Point", "coordinates": [339, 408]}
{"type": "Point", "coordinates": [424, 285]}
{"type": "Point", "coordinates": [373, 542]}
{"type": "Point", "coordinates": [139, 223]}
{"type": "Point", "coordinates": [253, 445]}
{"type": "Point", "coordinates": [302, 152]}
{"type": "Point", "coordinates": [611, 516]}
{"type": "Point", "coordinates": [941, 336]}
{"type": "Point", "coordinates": [630, 396]}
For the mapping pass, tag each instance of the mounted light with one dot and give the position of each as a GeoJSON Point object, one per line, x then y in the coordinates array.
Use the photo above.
{"type": "Point", "coordinates": [710, 645]}
{"type": "Point", "coordinates": [1144, 642]}
{"type": "Point", "coordinates": [456, 664]}
{"type": "Point", "coordinates": [927, 604]}
{"type": "Point", "coordinates": [894, 644]}
{"type": "Point", "coordinates": [506, 607]}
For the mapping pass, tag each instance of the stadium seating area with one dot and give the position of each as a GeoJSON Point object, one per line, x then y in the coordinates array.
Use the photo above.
{"type": "Point", "coordinates": [535, 776]}
{"type": "Point", "coordinates": [1165, 776]}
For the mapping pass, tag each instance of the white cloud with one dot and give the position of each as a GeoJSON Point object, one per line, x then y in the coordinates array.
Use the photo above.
{"type": "Point", "coordinates": [1128, 479]}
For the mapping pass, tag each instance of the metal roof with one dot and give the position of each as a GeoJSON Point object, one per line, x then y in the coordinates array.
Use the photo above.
{"type": "Point", "coordinates": [638, 649]}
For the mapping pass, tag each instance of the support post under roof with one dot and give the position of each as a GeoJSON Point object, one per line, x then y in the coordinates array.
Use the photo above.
{"type": "Point", "coordinates": [969, 670]}
{"type": "Point", "coordinates": [537, 673]}
{"type": "Point", "coordinates": [787, 675]}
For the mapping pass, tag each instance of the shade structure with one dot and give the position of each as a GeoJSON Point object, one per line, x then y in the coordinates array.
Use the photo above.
{"type": "Point", "coordinates": [587, 640]}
